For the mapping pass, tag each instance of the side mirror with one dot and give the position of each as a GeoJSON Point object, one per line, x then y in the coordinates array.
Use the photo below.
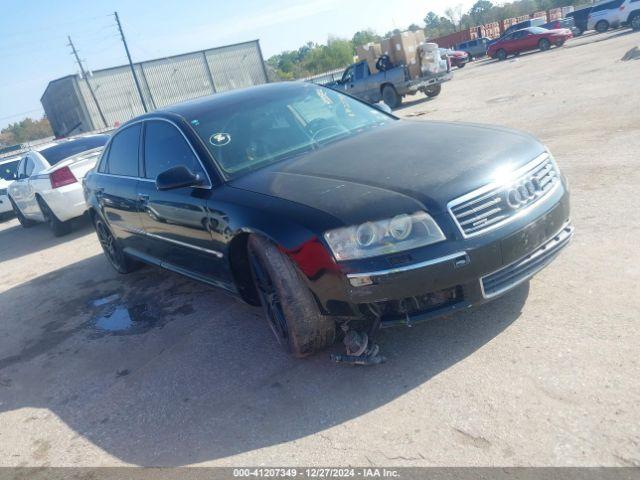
{"type": "Point", "coordinates": [177, 177]}
{"type": "Point", "coordinates": [383, 107]}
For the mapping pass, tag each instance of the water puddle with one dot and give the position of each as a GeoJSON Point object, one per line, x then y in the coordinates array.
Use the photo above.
{"type": "Point", "coordinates": [117, 317]}
{"type": "Point", "coordinates": [116, 321]}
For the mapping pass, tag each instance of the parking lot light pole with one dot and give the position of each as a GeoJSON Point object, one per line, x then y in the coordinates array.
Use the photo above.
{"type": "Point", "coordinates": [133, 70]}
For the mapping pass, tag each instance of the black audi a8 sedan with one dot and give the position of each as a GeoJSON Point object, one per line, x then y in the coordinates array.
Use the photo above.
{"type": "Point", "coordinates": [326, 210]}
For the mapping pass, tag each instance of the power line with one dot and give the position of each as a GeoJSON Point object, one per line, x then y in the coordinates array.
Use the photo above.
{"type": "Point", "coordinates": [21, 113]}
{"type": "Point", "coordinates": [133, 70]}
{"type": "Point", "coordinates": [86, 79]}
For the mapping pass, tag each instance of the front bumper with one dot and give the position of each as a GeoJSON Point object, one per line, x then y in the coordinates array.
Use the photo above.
{"type": "Point", "coordinates": [468, 272]}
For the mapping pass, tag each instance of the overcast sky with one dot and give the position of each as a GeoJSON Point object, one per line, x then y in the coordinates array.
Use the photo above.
{"type": "Point", "coordinates": [33, 34]}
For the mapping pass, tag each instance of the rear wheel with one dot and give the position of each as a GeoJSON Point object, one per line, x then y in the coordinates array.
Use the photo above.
{"type": "Point", "coordinates": [433, 90]}
{"type": "Point", "coordinates": [544, 44]}
{"type": "Point", "coordinates": [634, 21]}
{"type": "Point", "coordinates": [119, 260]}
{"type": "Point", "coordinates": [57, 227]}
{"type": "Point", "coordinates": [391, 97]}
{"type": "Point", "coordinates": [289, 307]}
{"type": "Point", "coordinates": [501, 54]}
{"type": "Point", "coordinates": [602, 26]}
{"type": "Point", "coordinates": [24, 221]}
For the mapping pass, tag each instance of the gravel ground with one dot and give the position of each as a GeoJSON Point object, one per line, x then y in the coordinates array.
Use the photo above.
{"type": "Point", "coordinates": [547, 375]}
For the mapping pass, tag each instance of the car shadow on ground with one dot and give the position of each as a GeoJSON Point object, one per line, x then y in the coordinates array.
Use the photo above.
{"type": "Point", "coordinates": [199, 376]}
{"type": "Point", "coordinates": [16, 241]}
{"type": "Point", "coordinates": [417, 99]}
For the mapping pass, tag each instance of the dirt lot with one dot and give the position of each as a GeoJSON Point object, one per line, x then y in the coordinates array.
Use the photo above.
{"type": "Point", "coordinates": [547, 375]}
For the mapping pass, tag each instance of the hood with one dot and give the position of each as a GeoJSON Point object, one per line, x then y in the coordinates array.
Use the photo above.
{"type": "Point", "coordinates": [4, 183]}
{"type": "Point", "coordinates": [400, 168]}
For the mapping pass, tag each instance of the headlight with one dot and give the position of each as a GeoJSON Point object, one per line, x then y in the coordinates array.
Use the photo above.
{"type": "Point", "coordinates": [402, 232]}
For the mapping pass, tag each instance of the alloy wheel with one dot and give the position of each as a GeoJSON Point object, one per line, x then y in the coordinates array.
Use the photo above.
{"type": "Point", "coordinates": [108, 243]}
{"type": "Point", "coordinates": [270, 301]}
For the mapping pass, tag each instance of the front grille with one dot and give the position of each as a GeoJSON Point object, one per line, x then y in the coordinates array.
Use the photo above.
{"type": "Point", "coordinates": [493, 205]}
{"type": "Point", "coordinates": [519, 271]}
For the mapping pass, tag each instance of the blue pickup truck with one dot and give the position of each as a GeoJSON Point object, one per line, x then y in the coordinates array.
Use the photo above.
{"type": "Point", "coordinates": [389, 85]}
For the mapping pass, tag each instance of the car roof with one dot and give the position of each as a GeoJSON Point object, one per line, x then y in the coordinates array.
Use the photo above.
{"type": "Point", "coordinates": [39, 148]}
{"type": "Point", "coordinates": [197, 106]}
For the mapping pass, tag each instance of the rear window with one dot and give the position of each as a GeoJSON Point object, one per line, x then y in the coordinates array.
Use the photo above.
{"type": "Point", "coordinates": [70, 148]}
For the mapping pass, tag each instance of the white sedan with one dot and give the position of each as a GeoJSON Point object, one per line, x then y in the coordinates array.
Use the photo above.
{"type": "Point", "coordinates": [8, 173]}
{"type": "Point", "coordinates": [49, 184]}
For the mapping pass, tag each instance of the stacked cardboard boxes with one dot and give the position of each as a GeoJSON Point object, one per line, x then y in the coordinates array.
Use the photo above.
{"type": "Point", "coordinates": [402, 49]}
{"type": "Point", "coordinates": [370, 53]}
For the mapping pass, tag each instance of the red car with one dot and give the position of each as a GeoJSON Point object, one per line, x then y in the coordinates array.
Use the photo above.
{"type": "Point", "coordinates": [457, 58]}
{"type": "Point", "coordinates": [531, 38]}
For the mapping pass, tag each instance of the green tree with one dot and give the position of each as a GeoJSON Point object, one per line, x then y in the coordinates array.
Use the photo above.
{"type": "Point", "coordinates": [363, 37]}
{"type": "Point", "coordinates": [25, 131]}
{"type": "Point", "coordinates": [480, 12]}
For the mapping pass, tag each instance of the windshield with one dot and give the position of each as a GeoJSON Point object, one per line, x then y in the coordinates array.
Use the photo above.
{"type": "Point", "coordinates": [72, 147]}
{"type": "Point", "coordinates": [249, 134]}
{"type": "Point", "coordinates": [9, 170]}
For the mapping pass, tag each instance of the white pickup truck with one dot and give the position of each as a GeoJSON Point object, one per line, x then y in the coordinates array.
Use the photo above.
{"type": "Point", "coordinates": [49, 184]}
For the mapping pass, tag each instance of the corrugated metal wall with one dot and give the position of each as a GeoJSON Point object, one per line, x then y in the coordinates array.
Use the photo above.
{"type": "Point", "coordinates": [163, 82]}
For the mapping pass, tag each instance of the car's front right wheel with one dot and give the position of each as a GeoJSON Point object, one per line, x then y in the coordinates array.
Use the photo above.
{"type": "Point", "coordinates": [544, 44]}
{"type": "Point", "coordinates": [289, 306]}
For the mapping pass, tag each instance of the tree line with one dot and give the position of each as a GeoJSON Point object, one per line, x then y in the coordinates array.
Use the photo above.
{"type": "Point", "coordinates": [313, 58]}
{"type": "Point", "coordinates": [25, 131]}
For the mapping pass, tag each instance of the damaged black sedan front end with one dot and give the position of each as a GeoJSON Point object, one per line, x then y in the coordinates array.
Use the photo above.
{"type": "Point", "coordinates": [327, 211]}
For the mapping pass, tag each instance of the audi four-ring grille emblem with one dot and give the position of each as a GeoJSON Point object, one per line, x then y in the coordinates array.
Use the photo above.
{"type": "Point", "coordinates": [526, 191]}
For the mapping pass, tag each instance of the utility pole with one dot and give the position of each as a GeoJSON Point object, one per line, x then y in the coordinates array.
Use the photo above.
{"type": "Point", "coordinates": [133, 70]}
{"type": "Point", "coordinates": [86, 79]}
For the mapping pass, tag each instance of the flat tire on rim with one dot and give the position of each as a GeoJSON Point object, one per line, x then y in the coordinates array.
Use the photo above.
{"type": "Point", "coordinates": [290, 309]}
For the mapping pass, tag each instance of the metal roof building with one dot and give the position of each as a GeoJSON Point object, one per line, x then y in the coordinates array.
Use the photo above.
{"type": "Point", "coordinates": [71, 109]}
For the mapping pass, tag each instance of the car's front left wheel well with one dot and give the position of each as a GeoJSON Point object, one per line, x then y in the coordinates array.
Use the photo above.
{"type": "Point", "coordinates": [241, 269]}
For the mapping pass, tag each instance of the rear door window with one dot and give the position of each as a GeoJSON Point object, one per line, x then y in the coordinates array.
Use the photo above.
{"type": "Point", "coordinates": [123, 152]}
{"type": "Point", "coordinates": [164, 148]}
